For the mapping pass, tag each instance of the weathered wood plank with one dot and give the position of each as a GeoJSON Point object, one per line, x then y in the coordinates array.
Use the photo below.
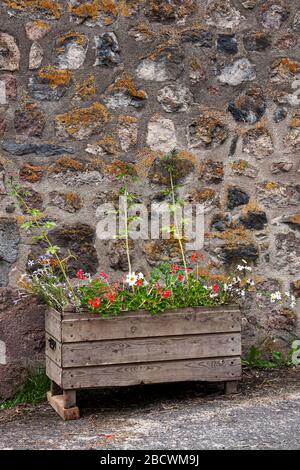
{"type": "Point", "coordinates": [140, 325]}
{"type": "Point", "coordinates": [57, 403]}
{"type": "Point", "coordinates": [53, 323]}
{"type": "Point", "coordinates": [53, 349]}
{"type": "Point", "coordinates": [54, 372]}
{"type": "Point", "coordinates": [135, 350]}
{"type": "Point", "coordinates": [210, 370]}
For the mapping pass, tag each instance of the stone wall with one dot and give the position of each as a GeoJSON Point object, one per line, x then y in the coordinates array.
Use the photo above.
{"type": "Point", "coordinates": [85, 83]}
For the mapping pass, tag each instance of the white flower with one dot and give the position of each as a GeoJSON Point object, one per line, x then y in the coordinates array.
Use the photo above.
{"type": "Point", "coordinates": [250, 282]}
{"type": "Point", "coordinates": [131, 279]}
{"type": "Point", "coordinates": [225, 287]}
{"type": "Point", "coordinates": [293, 301]}
{"type": "Point", "coordinates": [140, 276]}
{"type": "Point", "coordinates": [276, 296]}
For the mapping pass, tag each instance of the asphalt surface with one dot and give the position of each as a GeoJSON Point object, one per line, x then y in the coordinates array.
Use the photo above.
{"type": "Point", "coordinates": [265, 414]}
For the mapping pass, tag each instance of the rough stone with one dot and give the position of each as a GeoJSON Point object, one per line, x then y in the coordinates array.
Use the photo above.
{"type": "Point", "coordinates": [240, 71]}
{"type": "Point", "coordinates": [257, 41]}
{"type": "Point", "coordinates": [258, 143]}
{"type": "Point", "coordinates": [287, 246]}
{"type": "Point", "coordinates": [248, 107]}
{"type": "Point", "coordinates": [107, 50]}
{"type": "Point", "coordinates": [96, 13]}
{"type": "Point", "coordinates": [207, 132]}
{"type": "Point", "coordinates": [161, 134]}
{"type": "Point", "coordinates": [278, 195]}
{"type": "Point", "coordinates": [9, 242]}
{"type": "Point", "coordinates": [22, 330]}
{"type": "Point", "coordinates": [36, 55]}
{"type": "Point", "coordinates": [284, 70]}
{"type": "Point", "coordinates": [2, 178]}
{"type": "Point", "coordinates": [198, 37]}
{"type": "Point", "coordinates": [168, 11]}
{"type": "Point", "coordinates": [280, 114]}
{"type": "Point", "coordinates": [45, 149]}
{"type": "Point", "coordinates": [50, 84]}
{"type": "Point", "coordinates": [292, 220]}
{"type": "Point", "coordinates": [2, 126]}
{"type": "Point", "coordinates": [243, 168]}
{"type": "Point", "coordinates": [254, 220]}
{"type": "Point", "coordinates": [212, 171]}
{"type": "Point", "coordinates": [236, 197]}
{"type": "Point", "coordinates": [32, 198]}
{"type": "Point", "coordinates": [9, 53]}
{"type": "Point", "coordinates": [272, 14]}
{"type": "Point", "coordinates": [160, 251]}
{"type": "Point", "coordinates": [123, 93]}
{"type": "Point", "coordinates": [29, 120]}
{"type": "Point", "coordinates": [117, 254]}
{"type": "Point", "coordinates": [127, 131]}
{"type": "Point", "coordinates": [292, 140]}
{"type": "Point", "coordinates": [8, 87]}
{"type": "Point", "coordinates": [69, 201]}
{"type": "Point", "coordinates": [175, 98]}
{"type": "Point", "coordinates": [163, 64]}
{"type": "Point", "coordinates": [196, 71]}
{"type": "Point", "coordinates": [206, 196]}
{"type": "Point", "coordinates": [227, 43]}
{"type": "Point", "coordinates": [50, 9]}
{"type": "Point", "coordinates": [233, 254]}
{"type": "Point", "coordinates": [80, 123]}
{"type": "Point", "coordinates": [295, 288]}
{"type": "Point", "coordinates": [159, 171]}
{"type": "Point", "coordinates": [70, 50]}
{"type": "Point", "coordinates": [106, 146]}
{"type": "Point", "coordinates": [222, 14]}
{"type": "Point", "coordinates": [281, 167]}
{"type": "Point", "coordinates": [37, 30]}
{"type": "Point", "coordinates": [287, 41]}
{"type": "Point", "coordinates": [296, 22]}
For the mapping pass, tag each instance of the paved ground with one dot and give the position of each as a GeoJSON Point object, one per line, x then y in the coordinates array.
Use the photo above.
{"type": "Point", "coordinates": [265, 414]}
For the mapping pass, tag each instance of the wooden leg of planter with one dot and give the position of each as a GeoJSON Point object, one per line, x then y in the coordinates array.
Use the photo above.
{"type": "Point", "coordinates": [65, 404]}
{"type": "Point", "coordinates": [231, 387]}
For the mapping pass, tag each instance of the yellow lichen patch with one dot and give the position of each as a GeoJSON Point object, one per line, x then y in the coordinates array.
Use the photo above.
{"type": "Point", "coordinates": [202, 195]}
{"type": "Point", "coordinates": [290, 65]}
{"type": "Point", "coordinates": [65, 163]}
{"type": "Point", "coordinates": [146, 158]}
{"type": "Point", "coordinates": [239, 165]}
{"type": "Point", "coordinates": [86, 88]}
{"type": "Point", "coordinates": [251, 207]}
{"type": "Point", "coordinates": [55, 77]}
{"type": "Point", "coordinates": [51, 6]}
{"type": "Point", "coordinates": [232, 236]}
{"type": "Point", "coordinates": [127, 119]}
{"type": "Point", "coordinates": [125, 83]}
{"type": "Point", "coordinates": [125, 7]}
{"type": "Point", "coordinates": [186, 155]}
{"type": "Point", "coordinates": [269, 185]}
{"type": "Point", "coordinates": [79, 118]}
{"type": "Point", "coordinates": [79, 38]}
{"type": "Point", "coordinates": [294, 219]}
{"type": "Point", "coordinates": [41, 24]}
{"type": "Point", "coordinates": [109, 144]}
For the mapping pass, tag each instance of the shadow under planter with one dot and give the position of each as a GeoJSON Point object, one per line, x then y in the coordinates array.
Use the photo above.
{"type": "Point", "coordinates": [84, 350]}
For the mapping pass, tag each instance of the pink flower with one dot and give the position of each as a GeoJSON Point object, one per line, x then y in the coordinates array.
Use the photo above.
{"type": "Point", "coordinates": [215, 288]}
{"type": "Point", "coordinates": [103, 275]}
{"type": "Point", "coordinates": [81, 275]}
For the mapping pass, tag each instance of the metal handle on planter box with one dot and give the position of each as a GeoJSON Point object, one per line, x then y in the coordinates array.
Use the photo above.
{"type": "Point", "coordinates": [52, 344]}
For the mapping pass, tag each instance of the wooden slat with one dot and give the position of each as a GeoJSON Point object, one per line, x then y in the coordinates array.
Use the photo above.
{"type": "Point", "coordinates": [210, 370]}
{"type": "Point", "coordinates": [123, 351]}
{"type": "Point", "coordinates": [54, 352]}
{"type": "Point", "coordinates": [53, 323]}
{"type": "Point", "coordinates": [54, 372]}
{"type": "Point", "coordinates": [57, 403]}
{"type": "Point", "coordinates": [141, 324]}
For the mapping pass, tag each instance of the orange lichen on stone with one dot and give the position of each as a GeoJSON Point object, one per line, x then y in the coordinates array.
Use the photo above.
{"type": "Point", "coordinates": [109, 144]}
{"type": "Point", "coordinates": [127, 119]}
{"type": "Point", "coordinates": [125, 83]}
{"type": "Point", "coordinates": [295, 122]}
{"type": "Point", "coordinates": [79, 118]}
{"type": "Point", "coordinates": [270, 185]}
{"type": "Point", "coordinates": [232, 236]}
{"type": "Point", "coordinates": [51, 6]}
{"type": "Point", "coordinates": [292, 66]}
{"type": "Point", "coordinates": [118, 168]}
{"type": "Point", "coordinates": [79, 38]}
{"type": "Point", "coordinates": [55, 77]}
{"type": "Point", "coordinates": [146, 158]}
{"type": "Point", "coordinates": [31, 173]}
{"type": "Point", "coordinates": [86, 88]}
{"type": "Point", "coordinates": [92, 9]}
{"type": "Point", "coordinates": [65, 163]}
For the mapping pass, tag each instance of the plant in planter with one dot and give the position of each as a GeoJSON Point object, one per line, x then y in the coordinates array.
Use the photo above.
{"type": "Point", "coordinates": [174, 325]}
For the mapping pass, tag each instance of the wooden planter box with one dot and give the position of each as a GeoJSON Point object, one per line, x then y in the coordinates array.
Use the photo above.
{"type": "Point", "coordinates": [84, 350]}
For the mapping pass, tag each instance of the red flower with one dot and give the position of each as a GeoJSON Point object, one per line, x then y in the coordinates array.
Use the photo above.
{"type": "Point", "coordinates": [196, 255]}
{"type": "Point", "coordinates": [180, 277]}
{"type": "Point", "coordinates": [103, 275]}
{"type": "Point", "coordinates": [174, 268]}
{"type": "Point", "coordinates": [94, 303]}
{"type": "Point", "coordinates": [166, 294]}
{"type": "Point", "coordinates": [139, 282]}
{"type": "Point", "coordinates": [110, 296]}
{"type": "Point", "coordinates": [80, 275]}
{"type": "Point", "coordinates": [215, 288]}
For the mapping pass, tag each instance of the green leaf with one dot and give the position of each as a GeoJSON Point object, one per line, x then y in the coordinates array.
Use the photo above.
{"type": "Point", "coordinates": [49, 224]}
{"type": "Point", "coordinates": [27, 225]}
{"type": "Point", "coordinates": [53, 249]}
